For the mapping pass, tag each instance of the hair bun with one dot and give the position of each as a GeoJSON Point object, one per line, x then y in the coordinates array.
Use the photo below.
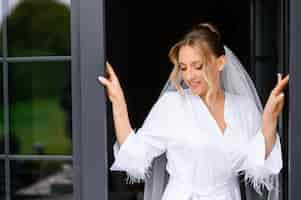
{"type": "Point", "coordinates": [210, 27]}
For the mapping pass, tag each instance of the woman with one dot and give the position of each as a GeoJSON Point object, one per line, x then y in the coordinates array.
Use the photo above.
{"type": "Point", "coordinates": [210, 126]}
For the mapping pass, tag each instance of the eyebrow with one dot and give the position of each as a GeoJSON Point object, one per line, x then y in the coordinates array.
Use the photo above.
{"type": "Point", "coordinates": [192, 63]}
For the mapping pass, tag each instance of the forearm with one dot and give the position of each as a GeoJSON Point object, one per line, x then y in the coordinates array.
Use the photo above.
{"type": "Point", "coordinates": [121, 121]}
{"type": "Point", "coordinates": [269, 132]}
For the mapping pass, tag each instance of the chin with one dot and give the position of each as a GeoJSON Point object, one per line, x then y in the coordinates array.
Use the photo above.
{"type": "Point", "coordinates": [197, 91]}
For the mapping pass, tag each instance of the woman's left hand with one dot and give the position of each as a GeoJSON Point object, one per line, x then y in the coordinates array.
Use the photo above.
{"type": "Point", "coordinates": [275, 101]}
{"type": "Point", "coordinates": [271, 112]}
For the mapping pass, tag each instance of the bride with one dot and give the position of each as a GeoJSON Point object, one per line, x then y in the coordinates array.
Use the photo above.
{"type": "Point", "coordinates": [208, 123]}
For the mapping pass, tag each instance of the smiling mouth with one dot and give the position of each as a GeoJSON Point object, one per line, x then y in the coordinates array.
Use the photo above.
{"type": "Point", "coordinates": [194, 83]}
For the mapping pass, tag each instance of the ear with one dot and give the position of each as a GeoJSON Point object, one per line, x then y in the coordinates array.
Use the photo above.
{"type": "Point", "coordinates": [221, 62]}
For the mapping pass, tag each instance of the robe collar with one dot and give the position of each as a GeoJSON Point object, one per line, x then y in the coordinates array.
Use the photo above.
{"type": "Point", "coordinates": [204, 119]}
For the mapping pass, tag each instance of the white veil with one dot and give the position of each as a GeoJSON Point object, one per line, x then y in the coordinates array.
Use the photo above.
{"type": "Point", "coordinates": [234, 79]}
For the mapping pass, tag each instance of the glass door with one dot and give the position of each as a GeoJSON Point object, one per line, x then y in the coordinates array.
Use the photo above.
{"type": "Point", "coordinates": [269, 55]}
{"type": "Point", "coordinates": [36, 146]}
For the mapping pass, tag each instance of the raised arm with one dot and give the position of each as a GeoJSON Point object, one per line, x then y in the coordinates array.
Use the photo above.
{"type": "Point", "coordinates": [120, 113]}
{"type": "Point", "coordinates": [135, 150]}
{"type": "Point", "coordinates": [271, 111]}
{"type": "Point", "coordinates": [258, 156]}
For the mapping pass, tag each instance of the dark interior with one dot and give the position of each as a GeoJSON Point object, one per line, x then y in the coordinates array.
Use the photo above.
{"type": "Point", "coordinates": [138, 37]}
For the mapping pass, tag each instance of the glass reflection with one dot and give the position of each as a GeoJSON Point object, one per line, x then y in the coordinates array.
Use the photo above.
{"type": "Point", "coordinates": [1, 112]}
{"type": "Point", "coordinates": [1, 21]}
{"type": "Point", "coordinates": [2, 180]}
{"type": "Point", "coordinates": [40, 108]}
{"type": "Point", "coordinates": [51, 180]}
{"type": "Point", "coordinates": [38, 28]}
{"type": "Point", "coordinates": [267, 46]}
{"type": "Point", "coordinates": [66, 2]}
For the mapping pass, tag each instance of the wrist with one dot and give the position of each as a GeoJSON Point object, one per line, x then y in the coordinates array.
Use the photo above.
{"type": "Point", "coordinates": [269, 127]}
{"type": "Point", "coordinates": [269, 120]}
{"type": "Point", "coordinates": [119, 108]}
{"type": "Point", "coordinates": [119, 102]}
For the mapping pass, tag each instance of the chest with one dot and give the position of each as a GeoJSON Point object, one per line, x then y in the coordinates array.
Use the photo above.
{"type": "Point", "coordinates": [218, 119]}
{"type": "Point", "coordinates": [193, 137]}
{"type": "Point", "coordinates": [200, 131]}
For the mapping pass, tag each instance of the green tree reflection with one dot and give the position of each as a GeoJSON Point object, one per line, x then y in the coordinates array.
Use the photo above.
{"type": "Point", "coordinates": [39, 93]}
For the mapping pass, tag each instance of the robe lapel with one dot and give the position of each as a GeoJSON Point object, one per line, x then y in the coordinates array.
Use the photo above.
{"type": "Point", "coordinates": [203, 118]}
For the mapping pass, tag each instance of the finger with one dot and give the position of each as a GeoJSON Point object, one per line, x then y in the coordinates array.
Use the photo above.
{"type": "Point", "coordinates": [111, 71]}
{"type": "Point", "coordinates": [279, 77]}
{"type": "Point", "coordinates": [280, 97]}
{"type": "Point", "coordinates": [104, 81]}
{"type": "Point", "coordinates": [281, 85]}
{"type": "Point", "coordinates": [280, 101]}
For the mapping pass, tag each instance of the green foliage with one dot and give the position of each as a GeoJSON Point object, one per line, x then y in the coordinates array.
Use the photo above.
{"type": "Point", "coordinates": [39, 28]}
{"type": "Point", "coordinates": [40, 121]}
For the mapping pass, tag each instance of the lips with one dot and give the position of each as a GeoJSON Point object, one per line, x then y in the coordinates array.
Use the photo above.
{"type": "Point", "coordinates": [194, 83]}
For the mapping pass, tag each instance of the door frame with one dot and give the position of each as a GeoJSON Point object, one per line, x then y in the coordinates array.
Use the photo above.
{"type": "Point", "coordinates": [294, 136]}
{"type": "Point", "coordinates": [88, 100]}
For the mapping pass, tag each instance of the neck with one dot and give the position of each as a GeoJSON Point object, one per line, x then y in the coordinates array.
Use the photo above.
{"type": "Point", "coordinates": [216, 96]}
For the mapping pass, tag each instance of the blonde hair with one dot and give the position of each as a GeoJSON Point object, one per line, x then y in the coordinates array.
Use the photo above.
{"type": "Point", "coordinates": [208, 40]}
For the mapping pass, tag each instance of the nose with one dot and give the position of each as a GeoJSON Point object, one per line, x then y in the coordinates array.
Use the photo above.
{"type": "Point", "coordinates": [190, 75]}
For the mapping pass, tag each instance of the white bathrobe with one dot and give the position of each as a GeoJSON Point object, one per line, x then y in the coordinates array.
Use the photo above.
{"type": "Point", "coordinates": [203, 163]}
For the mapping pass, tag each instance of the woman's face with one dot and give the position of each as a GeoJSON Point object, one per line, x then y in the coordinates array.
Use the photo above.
{"type": "Point", "coordinates": [193, 70]}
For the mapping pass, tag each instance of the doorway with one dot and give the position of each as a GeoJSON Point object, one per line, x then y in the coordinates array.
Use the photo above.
{"type": "Point", "coordinates": [140, 34]}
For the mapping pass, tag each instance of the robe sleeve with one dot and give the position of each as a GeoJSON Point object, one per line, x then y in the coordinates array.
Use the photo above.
{"type": "Point", "coordinates": [136, 153]}
{"type": "Point", "coordinates": [249, 157]}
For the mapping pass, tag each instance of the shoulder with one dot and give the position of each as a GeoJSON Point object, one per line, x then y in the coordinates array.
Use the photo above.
{"type": "Point", "coordinates": [242, 102]}
{"type": "Point", "coordinates": [246, 109]}
{"type": "Point", "coordinates": [170, 103]}
{"type": "Point", "coordinates": [171, 97]}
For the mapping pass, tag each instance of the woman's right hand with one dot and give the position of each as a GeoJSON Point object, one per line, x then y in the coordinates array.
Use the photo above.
{"type": "Point", "coordinates": [112, 85]}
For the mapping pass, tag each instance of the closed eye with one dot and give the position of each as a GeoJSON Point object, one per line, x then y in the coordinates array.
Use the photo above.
{"type": "Point", "coordinates": [196, 66]}
{"type": "Point", "coordinates": [200, 66]}
{"type": "Point", "coordinates": [182, 68]}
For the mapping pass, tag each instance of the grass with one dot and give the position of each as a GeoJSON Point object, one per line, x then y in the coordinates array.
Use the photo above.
{"type": "Point", "coordinates": [39, 121]}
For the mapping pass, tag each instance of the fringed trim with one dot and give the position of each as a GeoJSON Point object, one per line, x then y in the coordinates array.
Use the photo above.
{"type": "Point", "coordinates": [131, 179]}
{"type": "Point", "coordinates": [260, 180]}
{"type": "Point", "coordinates": [136, 175]}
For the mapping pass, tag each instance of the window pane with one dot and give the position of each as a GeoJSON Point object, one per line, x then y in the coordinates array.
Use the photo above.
{"type": "Point", "coordinates": [268, 43]}
{"type": "Point", "coordinates": [1, 21]}
{"type": "Point", "coordinates": [39, 28]}
{"type": "Point", "coordinates": [40, 108]}
{"type": "Point", "coordinates": [1, 112]}
{"type": "Point", "coordinates": [2, 180]}
{"type": "Point", "coordinates": [48, 180]}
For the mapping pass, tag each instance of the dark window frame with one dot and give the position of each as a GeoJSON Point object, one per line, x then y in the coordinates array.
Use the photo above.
{"type": "Point", "coordinates": [88, 100]}
{"type": "Point", "coordinates": [5, 60]}
{"type": "Point", "coordinates": [294, 62]}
